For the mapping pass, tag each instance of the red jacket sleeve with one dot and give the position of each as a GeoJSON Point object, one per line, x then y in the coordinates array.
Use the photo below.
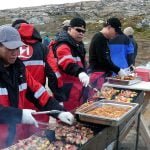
{"type": "Point", "coordinates": [67, 62]}
{"type": "Point", "coordinates": [52, 71]}
{"type": "Point", "coordinates": [40, 92]}
{"type": "Point", "coordinates": [46, 101]}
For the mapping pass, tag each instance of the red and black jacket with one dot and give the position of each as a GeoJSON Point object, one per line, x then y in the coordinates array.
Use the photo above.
{"type": "Point", "coordinates": [16, 83]}
{"type": "Point", "coordinates": [70, 55]}
{"type": "Point", "coordinates": [35, 56]}
{"type": "Point", "coordinates": [71, 61]}
{"type": "Point", "coordinates": [34, 53]}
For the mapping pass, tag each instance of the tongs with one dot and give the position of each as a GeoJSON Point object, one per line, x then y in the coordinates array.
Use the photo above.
{"type": "Point", "coordinates": [47, 112]}
{"type": "Point", "coordinates": [94, 89]}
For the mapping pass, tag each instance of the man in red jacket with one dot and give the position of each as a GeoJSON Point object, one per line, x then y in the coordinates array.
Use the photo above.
{"type": "Point", "coordinates": [35, 56]}
{"type": "Point", "coordinates": [15, 85]}
{"type": "Point", "coordinates": [70, 54]}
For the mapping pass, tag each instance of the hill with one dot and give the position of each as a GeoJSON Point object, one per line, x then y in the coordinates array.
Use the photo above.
{"type": "Point", "coordinates": [48, 18]}
{"type": "Point", "coordinates": [135, 13]}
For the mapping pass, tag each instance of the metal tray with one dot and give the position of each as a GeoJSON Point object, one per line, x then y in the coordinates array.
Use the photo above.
{"type": "Point", "coordinates": [83, 116]}
{"type": "Point", "coordinates": [123, 82]}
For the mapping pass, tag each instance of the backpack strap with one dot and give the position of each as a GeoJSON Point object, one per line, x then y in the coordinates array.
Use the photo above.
{"type": "Point", "coordinates": [45, 51]}
{"type": "Point", "coordinates": [54, 45]}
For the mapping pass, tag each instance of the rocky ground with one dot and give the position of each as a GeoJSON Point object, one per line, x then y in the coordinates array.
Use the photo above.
{"type": "Point", "coordinates": [129, 142]}
{"type": "Point", "coordinates": [143, 51]}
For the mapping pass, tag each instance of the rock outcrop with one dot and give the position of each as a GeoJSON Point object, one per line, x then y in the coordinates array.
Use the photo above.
{"type": "Point", "coordinates": [91, 11]}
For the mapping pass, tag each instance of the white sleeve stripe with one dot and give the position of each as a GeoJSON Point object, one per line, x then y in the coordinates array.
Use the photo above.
{"type": "Point", "coordinates": [3, 91]}
{"type": "Point", "coordinates": [34, 62]}
{"type": "Point", "coordinates": [64, 58]}
{"type": "Point", "coordinates": [57, 74]}
{"type": "Point", "coordinates": [39, 92]}
{"type": "Point", "coordinates": [69, 57]}
{"type": "Point", "coordinates": [23, 86]}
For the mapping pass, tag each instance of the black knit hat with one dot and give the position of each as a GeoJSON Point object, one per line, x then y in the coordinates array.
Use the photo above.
{"type": "Point", "coordinates": [19, 21]}
{"type": "Point", "coordinates": [77, 22]}
{"type": "Point", "coordinates": [115, 23]}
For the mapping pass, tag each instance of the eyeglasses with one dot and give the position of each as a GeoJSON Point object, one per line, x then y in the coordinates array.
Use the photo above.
{"type": "Point", "coordinates": [80, 30]}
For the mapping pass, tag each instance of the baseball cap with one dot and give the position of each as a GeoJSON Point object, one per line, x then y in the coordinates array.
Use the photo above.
{"type": "Point", "coordinates": [10, 37]}
{"type": "Point", "coordinates": [77, 22]}
{"type": "Point", "coordinates": [115, 23]}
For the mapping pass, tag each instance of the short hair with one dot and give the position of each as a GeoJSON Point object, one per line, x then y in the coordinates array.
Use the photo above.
{"type": "Point", "coordinates": [114, 23]}
{"type": "Point", "coordinates": [128, 31]}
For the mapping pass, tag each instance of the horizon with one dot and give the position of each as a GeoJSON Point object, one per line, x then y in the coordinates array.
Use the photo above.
{"type": "Point", "coordinates": [7, 4]}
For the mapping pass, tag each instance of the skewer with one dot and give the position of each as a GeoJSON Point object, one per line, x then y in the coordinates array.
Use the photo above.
{"type": "Point", "coordinates": [95, 89]}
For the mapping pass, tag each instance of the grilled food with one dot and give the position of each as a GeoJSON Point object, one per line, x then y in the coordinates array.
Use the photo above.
{"type": "Point", "coordinates": [109, 111]}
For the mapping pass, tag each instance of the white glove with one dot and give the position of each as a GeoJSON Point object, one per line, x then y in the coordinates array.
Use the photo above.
{"type": "Point", "coordinates": [127, 70]}
{"type": "Point", "coordinates": [130, 69]}
{"type": "Point", "coordinates": [122, 73]}
{"type": "Point", "coordinates": [27, 117]}
{"type": "Point", "coordinates": [84, 78]}
{"type": "Point", "coordinates": [66, 117]}
{"type": "Point", "coordinates": [61, 103]}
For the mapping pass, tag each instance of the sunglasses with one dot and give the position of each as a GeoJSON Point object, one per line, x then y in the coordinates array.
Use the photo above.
{"type": "Point", "coordinates": [80, 30]}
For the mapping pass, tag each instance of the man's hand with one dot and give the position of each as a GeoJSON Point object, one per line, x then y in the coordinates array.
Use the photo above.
{"type": "Point", "coordinates": [66, 117]}
{"type": "Point", "coordinates": [27, 117]}
{"type": "Point", "coordinates": [127, 70]}
{"type": "Point", "coordinates": [130, 69]}
{"type": "Point", "coordinates": [84, 78]}
{"type": "Point", "coordinates": [122, 73]}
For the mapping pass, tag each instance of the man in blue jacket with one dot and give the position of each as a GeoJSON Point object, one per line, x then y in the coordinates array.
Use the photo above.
{"type": "Point", "coordinates": [121, 51]}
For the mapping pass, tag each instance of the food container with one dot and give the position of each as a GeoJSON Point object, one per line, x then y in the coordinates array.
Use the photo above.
{"type": "Point", "coordinates": [143, 73]}
{"type": "Point", "coordinates": [123, 82]}
{"type": "Point", "coordinates": [97, 119]}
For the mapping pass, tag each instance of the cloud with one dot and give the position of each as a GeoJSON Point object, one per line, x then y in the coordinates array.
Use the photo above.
{"type": "Point", "coordinates": [7, 4]}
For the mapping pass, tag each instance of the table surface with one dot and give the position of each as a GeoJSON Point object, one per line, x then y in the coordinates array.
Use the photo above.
{"type": "Point", "coordinates": [143, 85]}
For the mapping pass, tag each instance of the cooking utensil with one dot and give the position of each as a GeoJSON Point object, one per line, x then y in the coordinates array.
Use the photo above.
{"type": "Point", "coordinates": [123, 82]}
{"type": "Point", "coordinates": [47, 112]}
{"type": "Point", "coordinates": [94, 89]}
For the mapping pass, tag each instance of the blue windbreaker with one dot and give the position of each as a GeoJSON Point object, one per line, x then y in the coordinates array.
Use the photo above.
{"type": "Point", "coordinates": [120, 49]}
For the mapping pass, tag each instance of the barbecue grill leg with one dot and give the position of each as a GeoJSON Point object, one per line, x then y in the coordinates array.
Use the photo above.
{"type": "Point", "coordinates": [137, 131]}
{"type": "Point", "coordinates": [117, 141]}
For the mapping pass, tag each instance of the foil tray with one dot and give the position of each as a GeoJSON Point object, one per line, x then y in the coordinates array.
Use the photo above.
{"type": "Point", "coordinates": [83, 116]}
{"type": "Point", "coordinates": [123, 82]}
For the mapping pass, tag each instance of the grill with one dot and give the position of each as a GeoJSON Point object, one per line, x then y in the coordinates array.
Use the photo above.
{"type": "Point", "coordinates": [103, 135]}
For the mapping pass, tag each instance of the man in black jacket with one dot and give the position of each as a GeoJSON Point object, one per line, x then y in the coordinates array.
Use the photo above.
{"type": "Point", "coordinates": [100, 62]}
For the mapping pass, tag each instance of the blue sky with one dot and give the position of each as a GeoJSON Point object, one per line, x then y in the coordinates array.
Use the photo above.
{"type": "Point", "coordinates": [29, 3]}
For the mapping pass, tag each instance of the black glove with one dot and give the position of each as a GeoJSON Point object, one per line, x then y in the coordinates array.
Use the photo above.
{"type": "Point", "coordinates": [53, 104]}
{"type": "Point", "coordinates": [130, 59]}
